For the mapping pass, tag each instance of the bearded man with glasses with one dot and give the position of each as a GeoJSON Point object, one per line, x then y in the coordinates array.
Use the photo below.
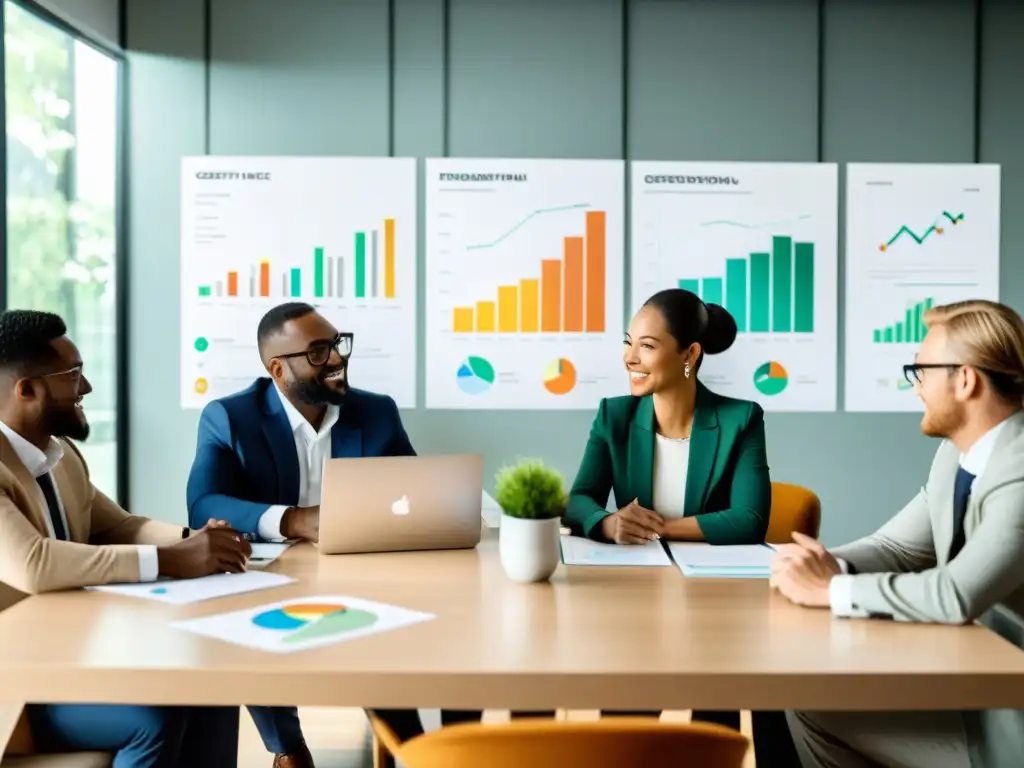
{"type": "Point", "coordinates": [259, 464]}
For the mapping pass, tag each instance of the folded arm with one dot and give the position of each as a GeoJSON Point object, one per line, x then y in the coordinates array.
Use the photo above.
{"type": "Point", "coordinates": [33, 563]}
{"type": "Point", "coordinates": [216, 471]}
{"type": "Point", "coordinates": [984, 573]}
{"type": "Point", "coordinates": [746, 519]}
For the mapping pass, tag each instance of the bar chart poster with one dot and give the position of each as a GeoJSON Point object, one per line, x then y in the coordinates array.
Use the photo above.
{"type": "Point", "coordinates": [761, 240]}
{"type": "Point", "coordinates": [524, 263]}
{"type": "Point", "coordinates": [338, 233]}
{"type": "Point", "coordinates": [917, 236]}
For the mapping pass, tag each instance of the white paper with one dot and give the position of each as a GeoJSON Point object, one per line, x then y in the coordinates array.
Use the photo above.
{"type": "Point", "coordinates": [264, 553]}
{"type": "Point", "coordinates": [337, 232]}
{"type": "Point", "coordinates": [577, 550]}
{"type": "Point", "coordinates": [524, 270]}
{"type": "Point", "coordinates": [917, 236]}
{"type": "Point", "coordinates": [710, 556]}
{"type": "Point", "coordinates": [303, 623]}
{"type": "Point", "coordinates": [183, 591]}
{"type": "Point", "coordinates": [760, 239]}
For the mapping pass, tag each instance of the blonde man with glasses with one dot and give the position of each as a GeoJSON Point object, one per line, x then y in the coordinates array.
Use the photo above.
{"type": "Point", "coordinates": [953, 555]}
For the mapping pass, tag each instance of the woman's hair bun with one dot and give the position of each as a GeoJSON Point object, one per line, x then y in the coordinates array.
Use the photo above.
{"type": "Point", "coordinates": [720, 332]}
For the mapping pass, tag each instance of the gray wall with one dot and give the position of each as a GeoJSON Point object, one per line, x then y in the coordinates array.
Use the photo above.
{"type": "Point", "coordinates": [96, 19]}
{"type": "Point", "coordinates": [648, 79]}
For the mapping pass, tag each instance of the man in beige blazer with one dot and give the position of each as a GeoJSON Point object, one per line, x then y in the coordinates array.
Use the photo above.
{"type": "Point", "coordinates": [57, 531]}
{"type": "Point", "coordinates": [954, 554]}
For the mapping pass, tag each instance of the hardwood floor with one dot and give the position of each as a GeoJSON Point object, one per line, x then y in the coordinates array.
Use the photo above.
{"type": "Point", "coordinates": [340, 738]}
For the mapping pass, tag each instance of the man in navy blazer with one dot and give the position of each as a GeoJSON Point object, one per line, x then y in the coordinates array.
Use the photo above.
{"type": "Point", "coordinates": [259, 464]}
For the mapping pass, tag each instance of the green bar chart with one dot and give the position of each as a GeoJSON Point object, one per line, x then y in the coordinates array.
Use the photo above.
{"type": "Point", "coordinates": [318, 272]}
{"type": "Point", "coordinates": [360, 265]}
{"type": "Point", "coordinates": [768, 292]}
{"type": "Point", "coordinates": [909, 329]}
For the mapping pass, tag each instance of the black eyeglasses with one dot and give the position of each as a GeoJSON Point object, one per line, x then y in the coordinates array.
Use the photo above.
{"type": "Point", "coordinates": [319, 352]}
{"type": "Point", "coordinates": [912, 372]}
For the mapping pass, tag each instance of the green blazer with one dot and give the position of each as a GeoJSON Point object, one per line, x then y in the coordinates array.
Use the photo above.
{"type": "Point", "coordinates": [727, 482]}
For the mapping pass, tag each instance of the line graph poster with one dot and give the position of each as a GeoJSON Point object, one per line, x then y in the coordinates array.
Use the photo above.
{"type": "Point", "coordinates": [524, 283]}
{"type": "Point", "coordinates": [916, 236]}
{"type": "Point", "coordinates": [336, 232]}
{"type": "Point", "coordinates": [759, 239]}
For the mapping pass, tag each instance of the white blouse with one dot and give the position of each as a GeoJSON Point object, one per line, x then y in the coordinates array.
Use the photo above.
{"type": "Point", "coordinates": [671, 460]}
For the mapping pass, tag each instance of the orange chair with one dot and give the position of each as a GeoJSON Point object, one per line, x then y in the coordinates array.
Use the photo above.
{"type": "Point", "coordinates": [617, 742]}
{"type": "Point", "coordinates": [794, 508]}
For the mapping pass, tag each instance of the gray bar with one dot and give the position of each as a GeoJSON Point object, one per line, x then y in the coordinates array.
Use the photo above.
{"type": "Point", "coordinates": [330, 276]}
{"type": "Point", "coordinates": [284, 284]}
{"type": "Point", "coordinates": [219, 288]}
{"type": "Point", "coordinates": [373, 263]}
{"type": "Point", "coordinates": [341, 277]}
{"type": "Point", "coordinates": [252, 281]}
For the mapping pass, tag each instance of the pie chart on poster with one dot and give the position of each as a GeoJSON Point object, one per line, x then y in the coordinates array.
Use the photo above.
{"type": "Point", "coordinates": [771, 378]}
{"type": "Point", "coordinates": [475, 375]}
{"type": "Point", "coordinates": [560, 377]}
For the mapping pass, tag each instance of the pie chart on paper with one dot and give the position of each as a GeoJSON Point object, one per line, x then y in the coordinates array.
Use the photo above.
{"type": "Point", "coordinates": [475, 376]}
{"type": "Point", "coordinates": [771, 378]}
{"type": "Point", "coordinates": [560, 377]}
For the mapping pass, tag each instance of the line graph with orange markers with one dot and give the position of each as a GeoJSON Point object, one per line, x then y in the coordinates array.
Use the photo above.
{"type": "Point", "coordinates": [525, 270]}
{"type": "Point", "coordinates": [917, 236]}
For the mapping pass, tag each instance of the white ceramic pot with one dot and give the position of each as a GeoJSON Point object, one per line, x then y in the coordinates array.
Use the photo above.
{"type": "Point", "coordinates": [529, 549]}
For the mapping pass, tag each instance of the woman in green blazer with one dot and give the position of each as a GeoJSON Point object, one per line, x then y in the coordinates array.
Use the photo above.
{"type": "Point", "coordinates": [683, 462]}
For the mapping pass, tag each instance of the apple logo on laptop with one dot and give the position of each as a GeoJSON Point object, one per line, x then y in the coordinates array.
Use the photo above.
{"type": "Point", "coordinates": [401, 506]}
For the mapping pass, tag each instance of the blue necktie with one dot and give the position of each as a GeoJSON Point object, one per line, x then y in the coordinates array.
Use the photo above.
{"type": "Point", "coordinates": [961, 493]}
{"type": "Point", "coordinates": [46, 485]}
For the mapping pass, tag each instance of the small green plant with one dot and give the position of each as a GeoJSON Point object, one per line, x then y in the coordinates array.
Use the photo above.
{"type": "Point", "coordinates": [530, 490]}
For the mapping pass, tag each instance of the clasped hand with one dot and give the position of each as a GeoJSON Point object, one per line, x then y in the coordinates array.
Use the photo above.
{"type": "Point", "coordinates": [802, 571]}
{"type": "Point", "coordinates": [633, 524]}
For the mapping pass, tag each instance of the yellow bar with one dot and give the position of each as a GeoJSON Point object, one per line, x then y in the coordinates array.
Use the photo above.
{"type": "Point", "coordinates": [462, 321]}
{"type": "Point", "coordinates": [389, 258]}
{"type": "Point", "coordinates": [529, 292]}
{"type": "Point", "coordinates": [485, 316]}
{"type": "Point", "coordinates": [508, 309]}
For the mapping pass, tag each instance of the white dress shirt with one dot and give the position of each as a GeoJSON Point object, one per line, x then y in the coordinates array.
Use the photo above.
{"type": "Point", "coordinates": [312, 449]}
{"type": "Point", "coordinates": [671, 461]}
{"type": "Point", "coordinates": [840, 589]}
{"type": "Point", "coordinates": [39, 463]}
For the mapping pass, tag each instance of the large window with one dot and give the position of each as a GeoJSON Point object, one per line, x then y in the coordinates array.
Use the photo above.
{"type": "Point", "coordinates": [62, 145]}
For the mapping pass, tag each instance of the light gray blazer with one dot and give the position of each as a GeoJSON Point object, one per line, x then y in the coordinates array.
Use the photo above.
{"type": "Point", "coordinates": [903, 572]}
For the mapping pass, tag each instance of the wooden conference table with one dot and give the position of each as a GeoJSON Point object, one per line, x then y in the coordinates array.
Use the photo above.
{"type": "Point", "coordinates": [596, 637]}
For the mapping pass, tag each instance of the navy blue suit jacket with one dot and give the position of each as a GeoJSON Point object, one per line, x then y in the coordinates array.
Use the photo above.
{"type": "Point", "coordinates": [245, 455]}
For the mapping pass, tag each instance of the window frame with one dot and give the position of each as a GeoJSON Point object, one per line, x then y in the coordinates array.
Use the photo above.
{"type": "Point", "coordinates": [121, 259]}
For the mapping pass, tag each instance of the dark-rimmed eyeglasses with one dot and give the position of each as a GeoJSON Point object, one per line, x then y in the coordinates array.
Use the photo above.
{"type": "Point", "coordinates": [912, 372]}
{"type": "Point", "coordinates": [319, 352]}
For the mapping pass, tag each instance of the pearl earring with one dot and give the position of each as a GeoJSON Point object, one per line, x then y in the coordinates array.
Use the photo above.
{"type": "Point", "coordinates": [686, 370]}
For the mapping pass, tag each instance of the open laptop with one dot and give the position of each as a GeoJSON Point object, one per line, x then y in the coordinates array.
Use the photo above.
{"type": "Point", "coordinates": [401, 503]}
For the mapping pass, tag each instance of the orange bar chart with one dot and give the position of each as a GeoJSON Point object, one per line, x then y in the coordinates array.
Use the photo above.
{"type": "Point", "coordinates": [595, 271]}
{"type": "Point", "coordinates": [232, 283]}
{"type": "Point", "coordinates": [389, 258]}
{"type": "Point", "coordinates": [550, 295]}
{"type": "Point", "coordinates": [529, 292]}
{"type": "Point", "coordinates": [485, 317]}
{"type": "Point", "coordinates": [264, 277]}
{"type": "Point", "coordinates": [463, 320]}
{"type": "Point", "coordinates": [573, 320]}
{"type": "Point", "coordinates": [568, 297]}
{"type": "Point", "coordinates": [508, 309]}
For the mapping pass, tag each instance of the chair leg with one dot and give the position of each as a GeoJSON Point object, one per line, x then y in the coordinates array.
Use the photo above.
{"type": "Point", "coordinates": [381, 757]}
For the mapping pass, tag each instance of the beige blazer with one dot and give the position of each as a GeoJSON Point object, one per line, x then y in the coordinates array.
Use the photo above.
{"type": "Point", "coordinates": [904, 570]}
{"type": "Point", "coordinates": [101, 534]}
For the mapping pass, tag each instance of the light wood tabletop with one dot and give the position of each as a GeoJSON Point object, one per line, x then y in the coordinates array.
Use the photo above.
{"type": "Point", "coordinates": [594, 637]}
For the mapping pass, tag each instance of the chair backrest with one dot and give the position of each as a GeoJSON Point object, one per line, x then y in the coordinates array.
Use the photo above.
{"type": "Point", "coordinates": [626, 742]}
{"type": "Point", "coordinates": [794, 508]}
